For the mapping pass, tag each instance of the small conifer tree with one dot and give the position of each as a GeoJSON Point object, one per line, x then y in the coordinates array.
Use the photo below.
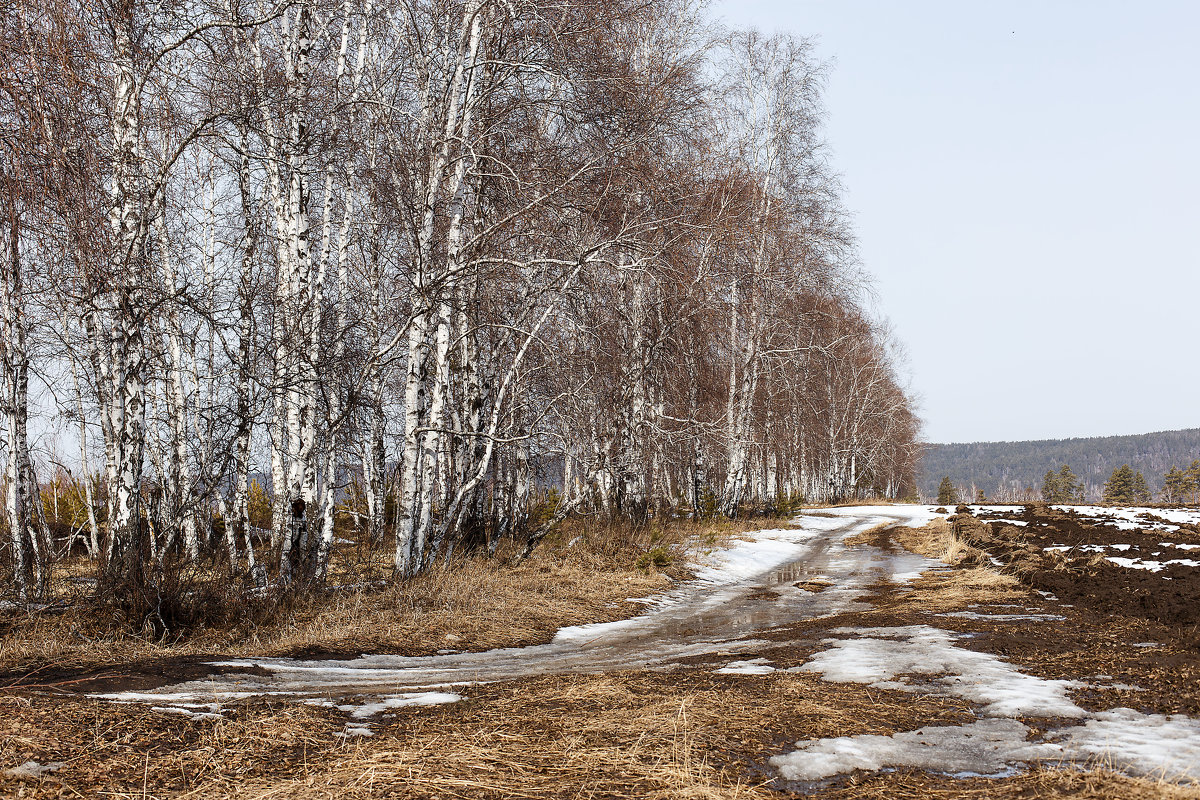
{"type": "Point", "coordinates": [1175, 485]}
{"type": "Point", "coordinates": [1070, 487]}
{"type": "Point", "coordinates": [1192, 483]}
{"type": "Point", "coordinates": [1141, 492]}
{"type": "Point", "coordinates": [1062, 486]}
{"type": "Point", "coordinates": [1050, 487]}
{"type": "Point", "coordinates": [947, 492]}
{"type": "Point", "coordinates": [1120, 486]}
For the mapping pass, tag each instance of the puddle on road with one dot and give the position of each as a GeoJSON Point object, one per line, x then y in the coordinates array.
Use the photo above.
{"type": "Point", "coordinates": [696, 619]}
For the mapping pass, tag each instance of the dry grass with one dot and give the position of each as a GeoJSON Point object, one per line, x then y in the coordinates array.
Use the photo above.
{"type": "Point", "coordinates": [938, 541]}
{"type": "Point", "coordinates": [624, 735]}
{"type": "Point", "coordinates": [632, 735]}
{"type": "Point", "coordinates": [1095, 783]}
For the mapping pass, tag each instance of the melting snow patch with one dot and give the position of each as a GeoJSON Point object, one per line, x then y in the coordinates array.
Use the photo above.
{"type": "Point", "coordinates": [355, 730]}
{"type": "Point", "coordinates": [213, 710]}
{"type": "Point", "coordinates": [1153, 566]}
{"type": "Point", "coordinates": [986, 747]}
{"type": "Point", "coordinates": [877, 656]}
{"type": "Point", "coordinates": [185, 699]}
{"type": "Point", "coordinates": [32, 769]}
{"type": "Point", "coordinates": [1004, 617]}
{"type": "Point", "coordinates": [755, 666]}
{"type": "Point", "coordinates": [1146, 744]}
{"type": "Point", "coordinates": [399, 701]}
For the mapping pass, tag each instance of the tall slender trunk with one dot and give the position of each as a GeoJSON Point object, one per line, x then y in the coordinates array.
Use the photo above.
{"type": "Point", "coordinates": [128, 218]}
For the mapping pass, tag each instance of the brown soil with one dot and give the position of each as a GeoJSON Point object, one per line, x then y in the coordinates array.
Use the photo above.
{"type": "Point", "coordinates": [1083, 578]}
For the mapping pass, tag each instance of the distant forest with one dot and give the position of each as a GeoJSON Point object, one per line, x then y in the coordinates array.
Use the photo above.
{"type": "Point", "coordinates": [1007, 470]}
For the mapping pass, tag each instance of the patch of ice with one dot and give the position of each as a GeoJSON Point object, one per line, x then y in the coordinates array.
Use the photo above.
{"type": "Point", "coordinates": [1155, 745]}
{"type": "Point", "coordinates": [32, 769]}
{"type": "Point", "coordinates": [986, 747]}
{"type": "Point", "coordinates": [1004, 509]}
{"type": "Point", "coordinates": [399, 701]}
{"type": "Point", "coordinates": [176, 698]}
{"type": "Point", "coordinates": [213, 710]}
{"type": "Point", "coordinates": [1088, 548]}
{"type": "Point", "coordinates": [1146, 744]}
{"type": "Point", "coordinates": [1004, 617]}
{"type": "Point", "coordinates": [1153, 566]}
{"type": "Point", "coordinates": [355, 730]}
{"type": "Point", "coordinates": [754, 666]}
{"type": "Point", "coordinates": [883, 654]}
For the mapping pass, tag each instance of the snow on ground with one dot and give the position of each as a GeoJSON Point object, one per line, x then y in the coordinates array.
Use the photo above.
{"type": "Point", "coordinates": [1133, 517]}
{"type": "Point", "coordinates": [986, 747]}
{"type": "Point", "coordinates": [1155, 745]}
{"type": "Point", "coordinates": [1147, 744]}
{"type": "Point", "coordinates": [754, 666]}
{"type": "Point", "coordinates": [912, 516]}
{"type": "Point", "coordinates": [32, 769]}
{"type": "Point", "coordinates": [355, 730]}
{"type": "Point", "coordinates": [1152, 566]}
{"type": "Point", "coordinates": [882, 657]}
{"type": "Point", "coordinates": [1123, 517]}
{"type": "Point", "coordinates": [768, 549]}
{"type": "Point", "coordinates": [211, 710]}
{"type": "Point", "coordinates": [1088, 548]}
{"type": "Point", "coordinates": [399, 701]}
{"type": "Point", "coordinates": [1003, 617]}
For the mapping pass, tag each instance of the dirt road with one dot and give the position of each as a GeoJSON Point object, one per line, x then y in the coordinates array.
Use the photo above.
{"type": "Point", "coordinates": [754, 587]}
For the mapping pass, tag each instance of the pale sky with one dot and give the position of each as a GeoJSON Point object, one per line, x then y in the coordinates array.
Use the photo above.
{"type": "Point", "coordinates": [1025, 182]}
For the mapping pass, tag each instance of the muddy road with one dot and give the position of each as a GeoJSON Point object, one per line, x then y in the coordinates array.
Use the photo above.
{"type": "Point", "coordinates": [776, 578]}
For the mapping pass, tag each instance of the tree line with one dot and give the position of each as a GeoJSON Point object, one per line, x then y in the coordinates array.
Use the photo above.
{"type": "Point", "coordinates": [1014, 471]}
{"type": "Point", "coordinates": [1125, 486]}
{"type": "Point", "coordinates": [414, 269]}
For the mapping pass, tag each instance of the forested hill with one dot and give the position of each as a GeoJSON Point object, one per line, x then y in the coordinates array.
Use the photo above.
{"type": "Point", "coordinates": [1003, 469]}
